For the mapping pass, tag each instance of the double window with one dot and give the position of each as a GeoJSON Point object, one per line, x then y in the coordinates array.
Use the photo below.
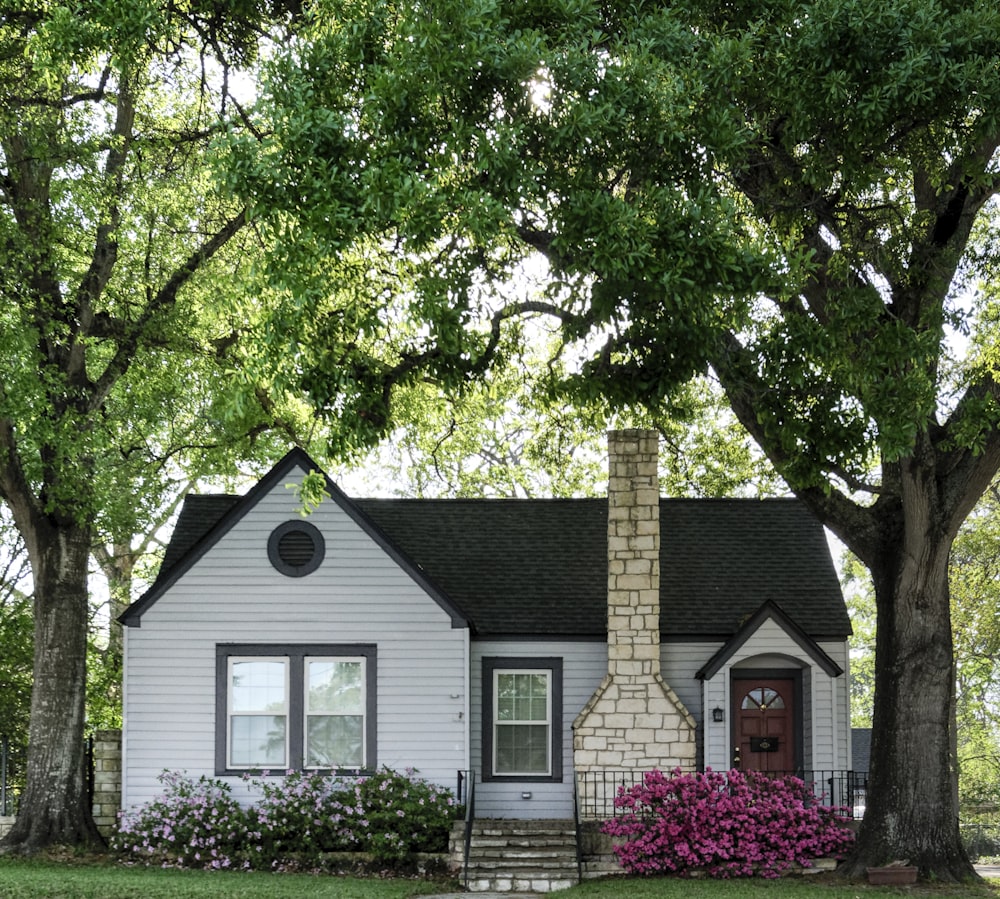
{"type": "Point", "coordinates": [295, 707]}
{"type": "Point", "coordinates": [522, 718]}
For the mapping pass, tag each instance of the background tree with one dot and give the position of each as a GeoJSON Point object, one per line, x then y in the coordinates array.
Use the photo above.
{"type": "Point", "coordinates": [507, 435]}
{"type": "Point", "coordinates": [799, 195]}
{"type": "Point", "coordinates": [15, 660]}
{"type": "Point", "coordinates": [120, 278]}
{"type": "Point", "coordinates": [975, 591]}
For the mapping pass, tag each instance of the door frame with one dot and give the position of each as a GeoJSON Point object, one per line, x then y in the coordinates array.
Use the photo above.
{"type": "Point", "coordinates": [798, 720]}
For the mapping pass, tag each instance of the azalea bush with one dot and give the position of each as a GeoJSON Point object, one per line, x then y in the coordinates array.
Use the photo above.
{"type": "Point", "coordinates": [297, 821]}
{"type": "Point", "coordinates": [193, 823]}
{"type": "Point", "coordinates": [731, 824]}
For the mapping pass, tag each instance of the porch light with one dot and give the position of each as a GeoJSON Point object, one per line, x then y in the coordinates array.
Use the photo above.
{"type": "Point", "coordinates": [718, 715]}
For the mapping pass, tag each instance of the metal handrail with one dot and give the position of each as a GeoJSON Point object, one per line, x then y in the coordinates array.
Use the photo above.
{"type": "Point", "coordinates": [470, 817]}
{"type": "Point", "coordinates": [577, 828]}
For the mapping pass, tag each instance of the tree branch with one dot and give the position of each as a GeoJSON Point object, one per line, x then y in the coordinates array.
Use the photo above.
{"type": "Point", "coordinates": [965, 473]}
{"type": "Point", "coordinates": [162, 300]}
{"type": "Point", "coordinates": [105, 252]}
{"type": "Point", "coordinates": [855, 525]}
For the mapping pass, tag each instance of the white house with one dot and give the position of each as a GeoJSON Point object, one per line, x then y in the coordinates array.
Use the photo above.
{"type": "Point", "coordinates": [542, 645]}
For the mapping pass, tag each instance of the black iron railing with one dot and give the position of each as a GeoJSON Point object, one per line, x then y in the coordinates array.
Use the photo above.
{"type": "Point", "coordinates": [596, 791]}
{"type": "Point", "coordinates": [467, 796]}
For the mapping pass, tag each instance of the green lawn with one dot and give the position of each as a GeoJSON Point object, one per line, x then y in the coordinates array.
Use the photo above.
{"type": "Point", "coordinates": [76, 879]}
{"type": "Point", "coordinates": [28, 879]}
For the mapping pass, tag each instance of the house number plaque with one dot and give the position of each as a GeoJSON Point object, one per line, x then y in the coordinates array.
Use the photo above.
{"type": "Point", "coordinates": [763, 744]}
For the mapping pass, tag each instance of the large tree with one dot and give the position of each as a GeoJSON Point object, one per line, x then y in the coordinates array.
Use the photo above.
{"type": "Point", "coordinates": [120, 286]}
{"type": "Point", "coordinates": [800, 195]}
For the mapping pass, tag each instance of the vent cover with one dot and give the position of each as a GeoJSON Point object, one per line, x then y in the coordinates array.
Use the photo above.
{"type": "Point", "coordinates": [296, 548]}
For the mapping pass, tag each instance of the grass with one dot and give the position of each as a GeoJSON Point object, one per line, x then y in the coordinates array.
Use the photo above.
{"type": "Point", "coordinates": [78, 878]}
{"type": "Point", "coordinates": [814, 886]}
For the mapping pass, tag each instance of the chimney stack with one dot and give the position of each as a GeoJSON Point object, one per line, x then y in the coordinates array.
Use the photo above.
{"type": "Point", "coordinates": [633, 554]}
{"type": "Point", "coordinates": [634, 722]}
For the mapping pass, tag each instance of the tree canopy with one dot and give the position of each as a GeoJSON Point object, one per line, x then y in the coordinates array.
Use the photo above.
{"type": "Point", "coordinates": [800, 196]}
{"type": "Point", "coordinates": [122, 274]}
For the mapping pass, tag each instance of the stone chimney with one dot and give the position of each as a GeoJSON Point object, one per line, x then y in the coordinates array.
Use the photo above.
{"type": "Point", "coordinates": [634, 722]}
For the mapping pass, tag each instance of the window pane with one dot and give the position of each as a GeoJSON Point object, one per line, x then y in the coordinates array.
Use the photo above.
{"type": "Point", "coordinates": [522, 697]}
{"type": "Point", "coordinates": [522, 749]}
{"type": "Point", "coordinates": [257, 741]}
{"type": "Point", "coordinates": [334, 686]}
{"type": "Point", "coordinates": [773, 700]}
{"type": "Point", "coordinates": [762, 698]}
{"type": "Point", "coordinates": [506, 685]}
{"type": "Point", "coordinates": [257, 686]}
{"type": "Point", "coordinates": [335, 741]}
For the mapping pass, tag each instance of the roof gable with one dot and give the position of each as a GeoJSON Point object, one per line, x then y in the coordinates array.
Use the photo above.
{"type": "Point", "coordinates": [205, 519]}
{"type": "Point", "coordinates": [770, 611]}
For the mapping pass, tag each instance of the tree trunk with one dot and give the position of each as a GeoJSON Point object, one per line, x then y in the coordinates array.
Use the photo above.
{"type": "Point", "coordinates": [912, 806]}
{"type": "Point", "coordinates": [55, 806]}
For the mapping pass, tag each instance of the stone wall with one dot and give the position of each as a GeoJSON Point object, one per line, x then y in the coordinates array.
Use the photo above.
{"type": "Point", "coordinates": [107, 763]}
{"type": "Point", "coordinates": [107, 779]}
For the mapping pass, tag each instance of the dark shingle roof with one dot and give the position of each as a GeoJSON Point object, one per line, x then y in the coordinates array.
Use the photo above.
{"type": "Point", "coordinates": [539, 567]}
{"type": "Point", "coordinates": [198, 515]}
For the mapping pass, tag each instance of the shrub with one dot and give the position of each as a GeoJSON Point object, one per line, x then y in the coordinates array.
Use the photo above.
{"type": "Point", "coordinates": [299, 818]}
{"type": "Point", "coordinates": [404, 814]}
{"type": "Point", "coordinates": [193, 824]}
{"type": "Point", "coordinates": [731, 824]}
{"type": "Point", "coordinates": [307, 814]}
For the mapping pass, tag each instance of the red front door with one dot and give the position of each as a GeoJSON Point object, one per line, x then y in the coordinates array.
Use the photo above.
{"type": "Point", "coordinates": [765, 724]}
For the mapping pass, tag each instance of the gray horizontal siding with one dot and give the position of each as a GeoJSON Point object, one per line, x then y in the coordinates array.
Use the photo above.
{"type": "Point", "coordinates": [233, 595]}
{"type": "Point", "coordinates": [584, 665]}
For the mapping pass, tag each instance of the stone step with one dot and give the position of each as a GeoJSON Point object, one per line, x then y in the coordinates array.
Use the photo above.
{"type": "Point", "coordinates": [536, 856]}
{"type": "Point", "coordinates": [501, 864]}
{"type": "Point", "coordinates": [522, 852]}
{"type": "Point", "coordinates": [520, 883]}
{"type": "Point", "coordinates": [541, 840]}
{"type": "Point", "coordinates": [523, 833]}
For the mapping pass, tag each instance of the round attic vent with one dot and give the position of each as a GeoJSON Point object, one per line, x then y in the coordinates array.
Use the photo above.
{"type": "Point", "coordinates": [296, 548]}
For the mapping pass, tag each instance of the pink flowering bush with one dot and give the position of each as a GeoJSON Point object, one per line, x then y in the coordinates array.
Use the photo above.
{"type": "Point", "coordinates": [299, 818]}
{"type": "Point", "coordinates": [193, 824]}
{"type": "Point", "coordinates": [730, 825]}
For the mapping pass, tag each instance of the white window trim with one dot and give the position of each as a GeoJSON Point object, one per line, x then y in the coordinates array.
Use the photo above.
{"type": "Point", "coordinates": [306, 713]}
{"type": "Point", "coordinates": [547, 674]}
{"type": "Point", "coordinates": [230, 714]}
